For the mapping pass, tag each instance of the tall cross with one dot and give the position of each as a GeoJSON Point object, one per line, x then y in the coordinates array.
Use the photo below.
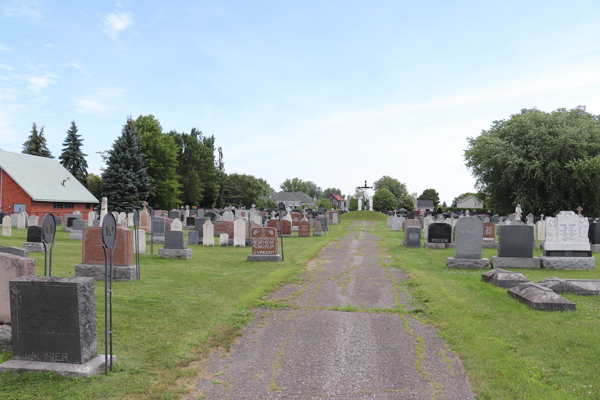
{"type": "Point", "coordinates": [579, 210]}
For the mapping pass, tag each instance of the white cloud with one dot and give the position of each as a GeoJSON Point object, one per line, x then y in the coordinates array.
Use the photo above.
{"type": "Point", "coordinates": [5, 67]}
{"type": "Point", "coordinates": [37, 83]}
{"type": "Point", "coordinates": [99, 103]}
{"type": "Point", "coordinates": [117, 23]}
{"type": "Point", "coordinates": [76, 66]}
{"type": "Point", "coordinates": [4, 48]}
{"type": "Point", "coordinates": [23, 9]}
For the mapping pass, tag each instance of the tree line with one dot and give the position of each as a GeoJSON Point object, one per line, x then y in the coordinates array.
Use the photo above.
{"type": "Point", "coordinates": [166, 169]}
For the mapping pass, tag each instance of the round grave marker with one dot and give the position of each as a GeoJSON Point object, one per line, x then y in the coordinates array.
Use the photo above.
{"type": "Point", "coordinates": [109, 231]}
{"type": "Point", "coordinates": [48, 229]}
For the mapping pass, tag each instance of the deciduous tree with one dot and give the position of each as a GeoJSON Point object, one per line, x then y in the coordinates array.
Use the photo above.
{"type": "Point", "coordinates": [430, 194]}
{"type": "Point", "coordinates": [384, 200]}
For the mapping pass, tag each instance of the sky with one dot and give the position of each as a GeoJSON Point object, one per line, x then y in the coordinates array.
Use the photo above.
{"type": "Point", "coordinates": [335, 92]}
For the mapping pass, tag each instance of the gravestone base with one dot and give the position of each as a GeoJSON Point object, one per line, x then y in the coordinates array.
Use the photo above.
{"type": "Point", "coordinates": [595, 248]}
{"type": "Point", "coordinates": [569, 263]}
{"type": "Point", "coordinates": [175, 253]}
{"type": "Point", "coordinates": [540, 298]}
{"type": "Point", "coordinates": [489, 244]}
{"type": "Point", "coordinates": [265, 258]}
{"type": "Point", "coordinates": [5, 338]}
{"type": "Point", "coordinates": [119, 273]}
{"type": "Point", "coordinates": [15, 251]}
{"type": "Point", "coordinates": [429, 245]}
{"type": "Point", "coordinates": [33, 246]}
{"type": "Point", "coordinates": [94, 366]}
{"type": "Point", "coordinates": [515, 262]}
{"type": "Point", "coordinates": [318, 233]}
{"type": "Point", "coordinates": [158, 238]}
{"type": "Point", "coordinates": [76, 235]}
{"type": "Point", "coordinates": [468, 263]}
{"type": "Point", "coordinates": [503, 279]}
{"type": "Point", "coordinates": [67, 229]}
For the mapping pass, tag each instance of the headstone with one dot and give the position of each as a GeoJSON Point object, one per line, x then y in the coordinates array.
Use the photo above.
{"type": "Point", "coordinates": [145, 218]}
{"type": "Point", "coordinates": [193, 238]}
{"type": "Point", "coordinates": [15, 251]}
{"type": "Point", "coordinates": [264, 245]}
{"type": "Point", "coordinates": [239, 233]}
{"type": "Point", "coordinates": [190, 221]}
{"type": "Point", "coordinates": [158, 226]}
{"type": "Point", "coordinates": [516, 241]}
{"type": "Point", "coordinates": [503, 279]}
{"type": "Point", "coordinates": [212, 215]}
{"type": "Point", "coordinates": [439, 233]}
{"type": "Point", "coordinates": [228, 216]}
{"type": "Point", "coordinates": [141, 242]}
{"type": "Point", "coordinates": [92, 255]}
{"type": "Point", "coordinates": [581, 287]}
{"type": "Point", "coordinates": [176, 225]}
{"type": "Point", "coordinates": [174, 239]}
{"type": "Point", "coordinates": [174, 214]}
{"type": "Point", "coordinates": [91, 218]}
{"type": "Point", "coordinates": [304, 228]}
{"type": "Point", "coordinates": [6, 226]}
{"type": "Point", "coordinates": [489, 231]}
{"type": "Point", "coordinates": [122, 220]}
{"type": "Point", "coordinates": [540, 297]}
{"type": "Point", "coordinates": [208, 234]}
{"type": "Point", "coordinates": [199, 226]}
{"type": "Point", "coordinates": [469, 231]}
{"type": "Point", "coordinates": [34, 234]}
{"type": "Point", "coordinates": [566, 232]}
{"type": "Point", "coordinates": [318, 230]}
{"type": "Point", "coordinates": [55, 321]}
{"type": "Point", "coordinates": [413, 236]}
{"type": "Point", "coordinates": [78, 225]}
{"type": "Point", "coordinates": [223, 227]}
{"type": "Point", "coordinates": [530, 218]}
{"type": "Point", "coordinates": [223, 240]}
{"type": "Point", "coordinates": [11, 267]}
{"type": "Point", "coordinates": [21, 221]}
{"type": "Point", "coordinates": [296, 218]}
{"type": "Point", "coordinates": [33, 220]}
{"type": "Point", "coordinates": [14, 218]}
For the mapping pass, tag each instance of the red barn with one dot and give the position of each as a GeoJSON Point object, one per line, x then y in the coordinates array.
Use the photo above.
{"type": "Point", "coordinates": [336, 200]}
{"type": "Point", "coordinates": [40, 185]}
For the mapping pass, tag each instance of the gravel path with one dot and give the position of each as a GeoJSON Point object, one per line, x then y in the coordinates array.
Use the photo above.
{"type": "Point", "coordinates": [317, 349]}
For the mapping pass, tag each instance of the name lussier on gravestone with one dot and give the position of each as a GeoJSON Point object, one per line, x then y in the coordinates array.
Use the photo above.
{"type": "Point", "coordinates": [469, 233]}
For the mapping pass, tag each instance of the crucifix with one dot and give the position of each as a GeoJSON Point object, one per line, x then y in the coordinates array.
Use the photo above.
{"type": "Point", "coordinates": [579, 210]}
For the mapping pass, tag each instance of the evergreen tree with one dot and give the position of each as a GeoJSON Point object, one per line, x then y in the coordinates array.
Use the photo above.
{"type": "Point", "coordinates": [72, 158]}
{"type": "Point", "coordinates": [125, 179]}
{"type": "Point", "coordinates": [36, 143]}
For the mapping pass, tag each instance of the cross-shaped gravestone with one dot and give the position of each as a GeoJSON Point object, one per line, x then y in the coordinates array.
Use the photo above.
{"type": "Point", "coordinates": [579, 210]}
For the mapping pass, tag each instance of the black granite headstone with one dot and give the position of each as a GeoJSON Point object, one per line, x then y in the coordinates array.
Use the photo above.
{"type": "Point", "coordinates": [596, 235]}
{"type": "Point", "coordinates": [190, 221]}
{"type": "Point", "coordinates": [199, 226]}
{"type": "Point", "coordinates": [174, 240]}
{"type": "Point", "coordinates": [439, 233]}
{"type": "Point", "coordinates": [70, 221]}
{"type": "Point", "coordinates": [413, 236]}
{"type": "Point", "coordinates": [34, 234]}
{"type": "Point", "coordinates": [516, 241]}
{"type": "Point", "coordinates": [212, 215]}
{"type": "Point", "coordinates": [54, 319]}
{"type": "Point", "coordinates": [2, 215]}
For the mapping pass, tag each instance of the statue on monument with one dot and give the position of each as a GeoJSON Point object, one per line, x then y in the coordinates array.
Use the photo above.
{"type": "Point", "coordinates": [518, 212]}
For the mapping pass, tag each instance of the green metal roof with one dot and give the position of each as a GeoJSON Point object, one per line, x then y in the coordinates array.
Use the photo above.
{"type": "Point", "coordinates": [303, 197]}
{"type": "Point", "coordinates": [42, 178]}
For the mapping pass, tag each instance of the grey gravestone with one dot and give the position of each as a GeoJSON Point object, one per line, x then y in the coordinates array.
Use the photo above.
{"type": "Point", "coordinates": [158, 226]}
{"type": "Point", "coordinates": [495, 219]}
{"type": "Point", "coordinates": [199, 226]}
{"type": "Point", "coordinates": [469, 231]}
{"type": "Point", "coordinates": [581, 287]}
{"type": "Point", "coordinates": [78, 225]}
{"type": "Point", "coordinates": [413, 237]}
{"type": "Point", "coordinates": [504, 279]}
{"type": "Point", "coordinates": [213, 216]}
{"type": "Point", "coordinates": [34, 234]}
{"type": "Point", "coordinates": [192, 238]}
{"type": "Point", "coordinates": [58, 220]}
{"type": "Point", "coordinates": [540, 297]}
{"type": "Point", "coordinates": [15, 251]}
{"type": "Point", "coordinates": [174, 240]}
{"type": "Point", "coordinates": [55, 319]}
{"type": "Point", "coordinates": [516, 241]}
{"type": "Point", "coordinates": [439, 233]}
{"type": "Point", "coordinates": [173, 214]}
{"type": "Point", "coordinates": [324, 222]}
{"type": "Point", "coordinates": [96, 223]}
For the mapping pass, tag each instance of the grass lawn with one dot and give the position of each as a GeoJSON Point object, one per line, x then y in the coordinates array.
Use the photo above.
{"type": "Point", "coordinates": [175, 315]}
{"type": "Point", "coordinates": [181, 309]}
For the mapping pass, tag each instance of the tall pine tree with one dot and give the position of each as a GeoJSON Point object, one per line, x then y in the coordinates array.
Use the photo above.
{"type": "Point", "coordinates": [36, 143]}
{"type": "Point", "coordinates": [125, 179]}
{"type": "Point", "coordinates": [72, 158]}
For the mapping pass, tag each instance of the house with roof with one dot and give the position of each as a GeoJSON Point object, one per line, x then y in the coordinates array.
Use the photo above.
{"type": "Point", "coordinates": [469, 202]}
{"type": "Point", "coordinates": [40, 185]}
{"type": "Point", "coordinates": [291, 199]}
{"type": "Point", "coordinates": [424, 205]}
{"type": "Point", "coordinates": [336, 200]}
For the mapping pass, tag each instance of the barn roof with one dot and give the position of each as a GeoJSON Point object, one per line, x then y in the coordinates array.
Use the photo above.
{"type": "Point", "coordinates": [44, 179]}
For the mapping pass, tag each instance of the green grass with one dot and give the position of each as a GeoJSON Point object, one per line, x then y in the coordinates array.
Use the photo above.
{"type": "Point", "coordinates": [177, 313]}
{"type": "Point", "coordinates": [364, 216]}
{"type": "Point", "coordinates": [509, 350]}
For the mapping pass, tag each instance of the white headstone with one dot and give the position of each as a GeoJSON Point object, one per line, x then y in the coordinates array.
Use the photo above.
{"type": "Point", "coordinates": [176, 225]}
{"type": "Point", "coordinates": [541, 230]}
{"type": "Point", "coordinates": [567, 231]}
{"type": "Point", "coordinates": [257, 220]}
{"type": "Point", "coordinates": [141, 241]}
{"type": "Point", "coordinates": [33, 220]}
{"type": "Point", "coordinates": [397, 223]}
{"type": "Point", "coordinates": [335, 218]}
{"type": "Point", "coordinates": [288, 217]}
{"type": "Point", "coordinates": [426, 222]}
{"type": "Point", "coordinates": [223, 240]}
{"type": "Point", "coordinates": [6, 226]}
{"type": "Point", "coordinates": [103, 209]}
{"type": "Point", "coordinates": [122, 220]}
{"type": "Point", "coordinates": [91, 218]}
{"type": "Point", "coordinates": [22, 221]}
{"type": "Point", "coordinates": [228, 216]}
{"type": "Point", "coordinates": [239, 233]}
{"type": "Point", "coordinates": [208, 232]}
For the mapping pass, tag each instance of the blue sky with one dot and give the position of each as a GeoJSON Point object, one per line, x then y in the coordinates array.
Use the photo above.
{"type": "Point", "coordinates": [330, 91]}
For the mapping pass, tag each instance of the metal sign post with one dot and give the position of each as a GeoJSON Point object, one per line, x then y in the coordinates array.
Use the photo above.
{"type": "Point", "coordinates": [281, 210]}
{"type": "Point", "coordinates": [48, 234]}
{"type": "Point", "coordinates": [109, 232]}
{"type": "Point", "coordinates": [136, 231]}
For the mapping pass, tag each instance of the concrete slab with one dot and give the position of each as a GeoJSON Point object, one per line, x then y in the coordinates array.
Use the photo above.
{"type": "Point", "coordinates": [93, 367]}
{"type": "Point", "coordinates": [516, 262]}
{"type": "Point", "coordinates": [468, 263]}
{"type": "Point", "coordinates": [540, 297]}
{"type": "Point", "coordinates": [504, 279]}
{"type": "Point", "coordinates": [582, 287]}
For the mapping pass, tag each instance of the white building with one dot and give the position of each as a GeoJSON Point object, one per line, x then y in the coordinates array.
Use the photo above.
{"type": "Point", "coordinates": [469, 202]}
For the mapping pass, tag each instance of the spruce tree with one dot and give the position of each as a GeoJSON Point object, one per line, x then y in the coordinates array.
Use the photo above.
{"type": "Point", "coordinates": [72, 158]}
{"type": "Point", "coordinates": [36, 143]}
{"type": "Point", "coordinates": [125, 179]}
